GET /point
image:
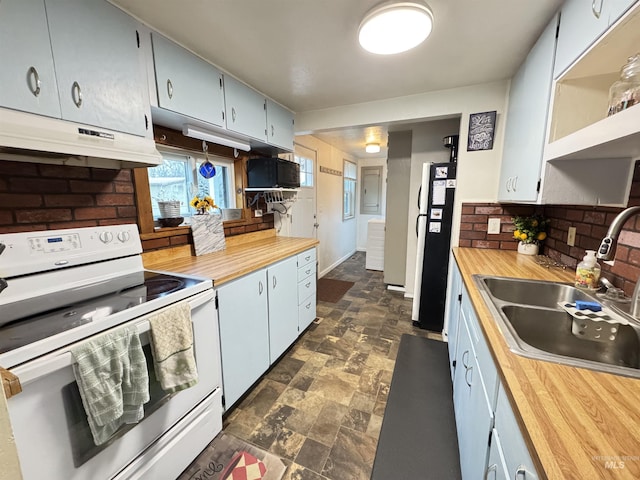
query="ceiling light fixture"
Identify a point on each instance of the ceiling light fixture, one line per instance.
(395, 27)
(372, 148)
(203, 134)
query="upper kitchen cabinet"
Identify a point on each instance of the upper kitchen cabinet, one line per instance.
(582, 23)
(186, 84)
(527, 121)
(587, 150)
(245, 109)
(279, 126)
(97, 64)
(27, 75)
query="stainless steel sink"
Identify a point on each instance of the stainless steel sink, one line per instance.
(535, 326)
(531, 292)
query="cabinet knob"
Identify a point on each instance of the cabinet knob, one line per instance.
(233, 114)
(33, 81)
(514, 185)
(169, 88)
(275, 281)
(521, 472)
(76, 94)
(466, 373)
(491, 468)
(260, 288)
(597, 11)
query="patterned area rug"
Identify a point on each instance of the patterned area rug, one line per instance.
(332, 290)
(229, 458)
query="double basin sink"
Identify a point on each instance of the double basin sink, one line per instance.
(532, 319)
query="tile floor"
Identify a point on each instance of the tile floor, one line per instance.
(320, 407)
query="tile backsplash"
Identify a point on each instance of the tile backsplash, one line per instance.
(591, 225)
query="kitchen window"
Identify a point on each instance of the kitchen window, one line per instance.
(306, 171)
(178, 179)
(350, 176)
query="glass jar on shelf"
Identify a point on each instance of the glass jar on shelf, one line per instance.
(625, 92)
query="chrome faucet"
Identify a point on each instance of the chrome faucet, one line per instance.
(607, 249)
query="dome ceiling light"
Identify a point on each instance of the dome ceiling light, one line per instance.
(372, 148)
(395, 27)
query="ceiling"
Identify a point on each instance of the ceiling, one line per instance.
(305, 54)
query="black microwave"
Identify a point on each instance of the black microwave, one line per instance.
(272, 172)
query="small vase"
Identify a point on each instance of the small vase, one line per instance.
(528, 248)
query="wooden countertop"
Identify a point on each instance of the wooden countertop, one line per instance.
(236, 260)
(573, 419)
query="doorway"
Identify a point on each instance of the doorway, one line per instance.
(303, 214)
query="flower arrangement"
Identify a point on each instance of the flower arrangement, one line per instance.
(202, 205)
(530, 229)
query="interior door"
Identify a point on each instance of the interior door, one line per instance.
(303, 213)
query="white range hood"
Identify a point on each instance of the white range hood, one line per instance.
(33, 138)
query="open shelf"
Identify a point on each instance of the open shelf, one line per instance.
(579, 126)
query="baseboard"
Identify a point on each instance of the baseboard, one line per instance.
(395, 288)
(335, 264)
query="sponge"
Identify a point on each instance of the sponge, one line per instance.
(584, 305)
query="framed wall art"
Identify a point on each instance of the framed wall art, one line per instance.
(482, 128)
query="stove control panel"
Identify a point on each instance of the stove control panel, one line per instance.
(33, 252)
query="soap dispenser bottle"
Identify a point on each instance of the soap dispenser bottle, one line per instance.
(588, 271)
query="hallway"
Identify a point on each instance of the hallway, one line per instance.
(320, 408)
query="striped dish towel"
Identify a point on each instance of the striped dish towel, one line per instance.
(172, 347)
(111, 373)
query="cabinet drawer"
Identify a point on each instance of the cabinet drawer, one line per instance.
(306, 288)
(306, 271)
(307, 257)
(307, 312)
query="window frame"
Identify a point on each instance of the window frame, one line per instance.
(352, 182)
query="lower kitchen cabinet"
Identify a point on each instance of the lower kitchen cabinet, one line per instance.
(306, 288)
(282, 280)
(490, 442)
(453, 322)
(516, 455)
(474, 414)
(244, 333)
(261, 314)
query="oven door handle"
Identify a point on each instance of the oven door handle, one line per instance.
(53, 362)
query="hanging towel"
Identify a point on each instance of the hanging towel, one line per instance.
(111, 373)
(172, 348)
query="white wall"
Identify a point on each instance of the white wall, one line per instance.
(337, 237)
(426, 146)
(478, 172)
(361, 218)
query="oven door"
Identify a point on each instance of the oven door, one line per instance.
(50, 426)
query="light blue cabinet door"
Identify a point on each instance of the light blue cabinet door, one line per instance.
(245, 109)
(186, 84)
(95, 51)
(283, 306)
(617, 8)
(279, 126)
(496, 467)
(527, 121)
(581, 23)
(516, 454)
(27, 75)
(474, 415)
(244, 333)
(454, 314)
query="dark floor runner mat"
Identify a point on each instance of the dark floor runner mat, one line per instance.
(418, 437)
(332, 290)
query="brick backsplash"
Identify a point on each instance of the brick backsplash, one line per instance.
(48, 197)
(591, 226)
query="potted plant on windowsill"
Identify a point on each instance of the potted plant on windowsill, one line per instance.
(530, 231)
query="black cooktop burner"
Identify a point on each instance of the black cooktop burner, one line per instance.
(156, 287)
(40, 317)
